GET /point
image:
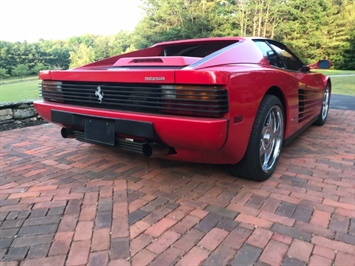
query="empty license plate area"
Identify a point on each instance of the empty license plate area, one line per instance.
(100, 131)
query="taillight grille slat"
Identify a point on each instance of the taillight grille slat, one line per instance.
(205, 101)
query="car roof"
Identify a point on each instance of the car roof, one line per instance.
(203, 40)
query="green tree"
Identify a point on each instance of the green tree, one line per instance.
(21, 71)
(101, 47)
(349, 53)
(339, 34)
(55, 53)
(173, 19)
(3, 74)
(83, 55)
(317, 29)
(223, 18)
(303, 26)
(5, 51)
(39, 67)
(59, 57)
(120, 42)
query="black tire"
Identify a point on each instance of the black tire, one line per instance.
(265, 142)
(325, 107)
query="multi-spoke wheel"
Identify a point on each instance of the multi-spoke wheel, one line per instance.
(325, 107)
(271, 138)
(265, 142)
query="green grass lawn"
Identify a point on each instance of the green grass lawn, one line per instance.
(14, 90)
(19, 91)
(333, 72)
(343, 81)
(17, 79)
(343, 85)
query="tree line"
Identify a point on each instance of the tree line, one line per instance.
(317, 29)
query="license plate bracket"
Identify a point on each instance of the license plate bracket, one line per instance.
(101, 131)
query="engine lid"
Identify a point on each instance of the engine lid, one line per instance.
(163, 61)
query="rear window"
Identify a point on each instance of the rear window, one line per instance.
(195, 50)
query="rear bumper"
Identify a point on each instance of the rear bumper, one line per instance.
(198, 135)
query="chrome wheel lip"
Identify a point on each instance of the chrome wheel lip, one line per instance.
(325, 104)
(271, 138)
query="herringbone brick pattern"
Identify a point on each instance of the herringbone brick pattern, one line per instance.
(69, 203)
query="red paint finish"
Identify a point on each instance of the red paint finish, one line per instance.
(184, 70)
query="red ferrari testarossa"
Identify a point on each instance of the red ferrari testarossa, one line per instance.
(230, 100)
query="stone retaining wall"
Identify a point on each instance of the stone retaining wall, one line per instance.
(20, 114)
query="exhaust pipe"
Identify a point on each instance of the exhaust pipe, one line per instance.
(155, 150)
(67, 133)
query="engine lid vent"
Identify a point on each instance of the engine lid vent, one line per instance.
(147, 60)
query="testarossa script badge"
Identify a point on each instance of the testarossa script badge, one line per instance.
(154, 78)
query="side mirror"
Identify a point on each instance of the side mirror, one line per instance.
(321, 64)
(305, 69)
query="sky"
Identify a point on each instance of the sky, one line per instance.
(32, 20)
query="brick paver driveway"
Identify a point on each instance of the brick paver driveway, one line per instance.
(69, 203)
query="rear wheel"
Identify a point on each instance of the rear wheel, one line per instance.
(325, 107)
(265, 142)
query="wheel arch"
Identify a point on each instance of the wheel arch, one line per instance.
(251, 165)
(276, 91)
(329, 81)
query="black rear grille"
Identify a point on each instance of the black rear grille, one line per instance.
(199, 101)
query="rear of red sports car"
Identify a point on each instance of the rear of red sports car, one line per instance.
(193, 100)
